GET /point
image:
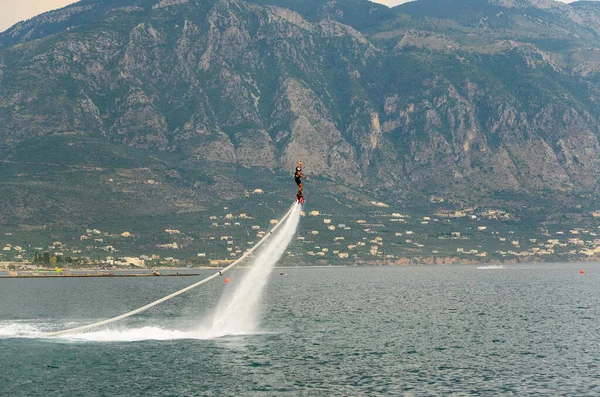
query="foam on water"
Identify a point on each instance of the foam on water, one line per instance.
(37, 330)
(150, 332)
(130, 335)
(21, 330)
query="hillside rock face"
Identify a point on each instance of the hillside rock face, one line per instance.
(434, 96)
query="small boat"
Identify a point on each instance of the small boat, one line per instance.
(491, 267)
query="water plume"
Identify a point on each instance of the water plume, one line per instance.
(238, 310)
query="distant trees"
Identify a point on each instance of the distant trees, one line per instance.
(47, 259)
(39, 258)
(44, 258)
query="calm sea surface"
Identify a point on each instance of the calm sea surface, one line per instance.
(521, 330)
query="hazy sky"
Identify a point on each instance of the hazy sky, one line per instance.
(13, 11)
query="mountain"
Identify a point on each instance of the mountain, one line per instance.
(474, 101)
(224, 81)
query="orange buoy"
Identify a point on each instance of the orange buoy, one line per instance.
(227, 279)
(581, 271)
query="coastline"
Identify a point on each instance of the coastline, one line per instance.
(195, 271)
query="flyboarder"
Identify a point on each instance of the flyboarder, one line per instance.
(298, 178)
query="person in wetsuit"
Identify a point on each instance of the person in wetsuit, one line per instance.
(298, 178)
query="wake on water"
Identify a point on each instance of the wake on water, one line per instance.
(491, 267)
(237, 313)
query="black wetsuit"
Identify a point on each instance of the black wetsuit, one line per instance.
(298, 176)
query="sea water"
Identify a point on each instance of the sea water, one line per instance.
(522, 330)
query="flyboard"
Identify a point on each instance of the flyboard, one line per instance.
(191, 287)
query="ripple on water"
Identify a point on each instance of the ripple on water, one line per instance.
(333, 332)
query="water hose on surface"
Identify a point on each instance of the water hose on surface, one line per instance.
(166, 298)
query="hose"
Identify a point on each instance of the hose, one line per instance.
(166, 298)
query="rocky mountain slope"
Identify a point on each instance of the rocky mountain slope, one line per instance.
(463, 99)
